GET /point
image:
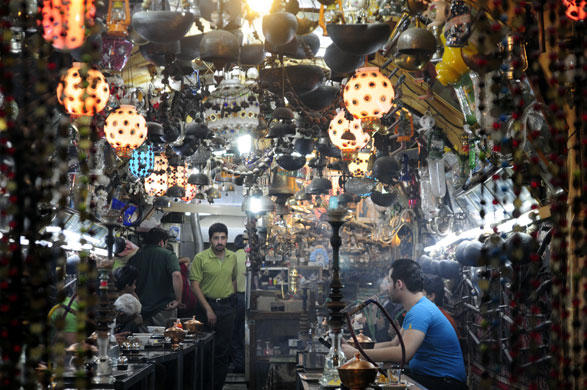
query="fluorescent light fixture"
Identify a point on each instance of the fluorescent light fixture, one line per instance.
(245, 143)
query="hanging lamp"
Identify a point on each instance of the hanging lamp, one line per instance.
(64, 22)
(369, 94)
(347, 135)
(125, 130)
(83, 92)
(142, 161)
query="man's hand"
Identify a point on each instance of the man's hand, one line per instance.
(349, 352)
(172, 305)
(121, 337)
(211, 317)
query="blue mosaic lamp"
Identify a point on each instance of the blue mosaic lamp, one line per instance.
(142, 162)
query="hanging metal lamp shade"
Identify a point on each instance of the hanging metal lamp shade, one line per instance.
(281, 184)
(190, 47)
(162, 26)
(303, 79)
(319, 186)
(386, 169)
(199, 179)
(219, 47)
(341, 62)
(258, 205)
(383, 200)
(176, 192)
(321, 97)
(279, 28)
(251, 55)
(291, 163)
(359, 39)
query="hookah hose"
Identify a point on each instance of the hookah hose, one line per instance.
(358, 345)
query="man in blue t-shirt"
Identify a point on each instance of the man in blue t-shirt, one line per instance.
(432, 346)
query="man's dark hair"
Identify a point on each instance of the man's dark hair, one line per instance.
(155, 236)
(433, 285)
(217, 228)
(125, 276)
(239, 242)
(409, 272)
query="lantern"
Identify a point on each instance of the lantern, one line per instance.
(156, 184)
(178, 176)
(142, 162)
(359, 164)
(368, 94)
(576, 9)
(118, 18)
(190, 192)
(347, 135)
(64, 22)
(125, 129)
(83, 93)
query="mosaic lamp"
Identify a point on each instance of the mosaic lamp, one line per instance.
(81, 92)
(125, 129)
(142, 161)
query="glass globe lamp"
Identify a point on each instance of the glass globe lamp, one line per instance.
(83, 93)
(369, 94)
(125, 130)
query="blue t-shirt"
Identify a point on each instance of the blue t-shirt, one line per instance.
(440, 353)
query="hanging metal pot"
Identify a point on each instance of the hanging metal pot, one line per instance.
(418, 42)
(340, 62)
(291, 163)
(319, 186)
(306, 43)
(321, 97)
(197, 130)
(359, 39)
(162, 26)
(155, 133)
(302, 78)
(176, 192)
(190, 47)
(306, 26)
(251, 55)
(281, 184)
(387, 170)
(304, 146)
(199, 179)
(279, 28)
(383, 200)
(160, 54)
(290, 49)
(231, 15)
(219, 47)
(359, 185)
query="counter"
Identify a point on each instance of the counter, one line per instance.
(308, 380)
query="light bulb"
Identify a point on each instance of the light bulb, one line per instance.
(245, 142)
(261, 7)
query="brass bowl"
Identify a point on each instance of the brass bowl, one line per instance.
(357, 374)
(193, 325)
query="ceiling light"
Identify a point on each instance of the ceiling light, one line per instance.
(245, 143)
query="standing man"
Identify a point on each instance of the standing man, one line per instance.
(213, 276)
(159, 284)
(432, 347)
(238, 334)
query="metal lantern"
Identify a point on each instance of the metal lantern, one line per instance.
(64, 22)
(125, 129)
(156, 184)
(118, 18)
(81, 92)
(368, 94)
(142, 161)
(178, 176)
(347, 135)
(190, 192)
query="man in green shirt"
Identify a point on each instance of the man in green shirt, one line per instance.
(159, 285)
(213, 276)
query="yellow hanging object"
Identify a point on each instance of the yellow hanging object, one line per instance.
(452, 66)
(321, 21)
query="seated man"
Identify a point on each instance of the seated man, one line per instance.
(432, 347)
(434, 290)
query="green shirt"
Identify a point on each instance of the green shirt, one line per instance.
(156, 266)
(70, 324)
(214, 275)
(241, 270)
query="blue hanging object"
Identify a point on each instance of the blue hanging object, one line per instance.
(142, 162)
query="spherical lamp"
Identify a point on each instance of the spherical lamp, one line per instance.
(178, 176)
(125, 130)
(64, 22)
(359, 164)
(368, 94)
(347, 135)
(190, 192)
(83, 93)
(142, 161)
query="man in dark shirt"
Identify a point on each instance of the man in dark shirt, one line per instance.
(159, 285)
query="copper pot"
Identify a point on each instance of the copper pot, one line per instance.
(193, 325)
(365, 341)
(357, 374)
(176, 334)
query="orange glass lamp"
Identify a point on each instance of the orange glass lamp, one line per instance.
(156, 184)
(178, 176)
(359, 165)
(190, 192)
(125, 130)
(118, 18)
(576, 9)
(368, 95)
(346, 135)
(64, 22)
(81, 92)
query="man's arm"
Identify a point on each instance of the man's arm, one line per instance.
(412, 341)
(392, 343)
(177, 288)
(195, 286)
